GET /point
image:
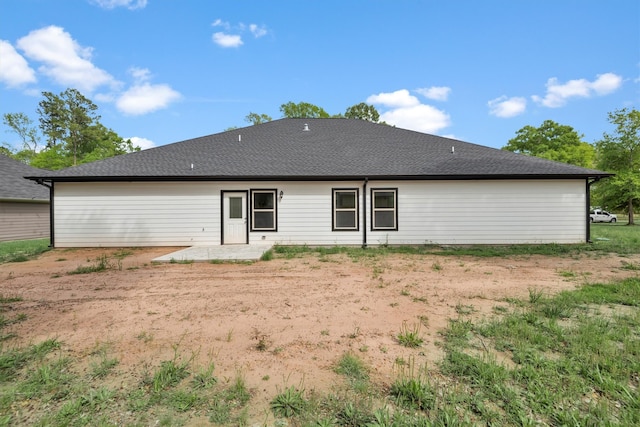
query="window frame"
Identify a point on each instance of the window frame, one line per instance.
(335, 210)
(374, 209)
(253, 209)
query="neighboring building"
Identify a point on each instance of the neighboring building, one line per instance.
(24, 205)
(319, 182)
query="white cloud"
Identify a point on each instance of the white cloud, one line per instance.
(143, 143)
(257, 31)
(407, 112)
(558, 94)
(606, 83)
(220, 23)
(227, 40)
(129, 4)
(63, 59)
(145, 98)
(507, 107)
(397, 99)
(140, 74)
(14, 69)
(437, 93)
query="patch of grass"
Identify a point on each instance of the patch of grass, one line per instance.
(410, 336)
(574, 359)
(180, 261)
(620, 239)
(267, 255)
(352, 367)
(288, 403)
(103, 367)
(101, 263)
(412, 388)
(4, 299)
(22, 250)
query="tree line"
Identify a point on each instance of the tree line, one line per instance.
(73, 135)
(71, 130)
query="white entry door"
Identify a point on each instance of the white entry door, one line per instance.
(234, 218)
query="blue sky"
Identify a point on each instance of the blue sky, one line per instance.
(163, 71)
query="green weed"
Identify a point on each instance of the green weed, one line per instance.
(288, 403)
(410, 336)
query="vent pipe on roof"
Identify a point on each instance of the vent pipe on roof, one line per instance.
(453, 150)
(306, 128)
(191, 166)
(239, 138)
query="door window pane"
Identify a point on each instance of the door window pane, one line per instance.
(235, 207)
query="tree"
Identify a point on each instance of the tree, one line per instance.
(72, 129)
(303, 110)
(256, 119)
(363, 111)
(553, 141)
(66, 118)
(620, 153)
(22, 125)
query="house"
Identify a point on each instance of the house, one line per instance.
(24, 205)
(319, 182)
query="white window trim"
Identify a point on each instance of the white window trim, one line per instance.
(273, 210)
(394, 209)
(335, 210)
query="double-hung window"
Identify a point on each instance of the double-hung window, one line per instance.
(345, 209)
(263, 210)
(384, 208)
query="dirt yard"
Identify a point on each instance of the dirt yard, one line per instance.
(303, 313)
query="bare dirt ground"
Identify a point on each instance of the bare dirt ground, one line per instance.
(306, 311)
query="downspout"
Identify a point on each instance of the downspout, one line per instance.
(588, 207)
(51, 228)
(364, 213)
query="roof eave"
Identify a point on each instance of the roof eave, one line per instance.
(439, 177)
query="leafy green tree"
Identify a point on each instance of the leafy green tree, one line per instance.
(553, 141)
(303, 110)
(72, 130)
(67, 118)
(256, 119)
(363, 111)
(619, 152)
(22, 125)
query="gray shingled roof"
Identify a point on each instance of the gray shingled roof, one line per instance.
(329, 149)
(12, 182)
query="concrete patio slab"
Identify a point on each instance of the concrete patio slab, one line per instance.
(221, 252)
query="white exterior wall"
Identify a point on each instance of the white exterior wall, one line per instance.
(487, 212)
(439, 212)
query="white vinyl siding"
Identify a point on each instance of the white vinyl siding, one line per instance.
(136, 214)
(428, 212)
(24, 221)
(488, 212)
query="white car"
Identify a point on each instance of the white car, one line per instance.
(598, 215)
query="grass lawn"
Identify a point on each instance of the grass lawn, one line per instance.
(22, 250)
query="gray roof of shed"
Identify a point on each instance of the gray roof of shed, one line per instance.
(329, 149)
(12, 182)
